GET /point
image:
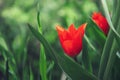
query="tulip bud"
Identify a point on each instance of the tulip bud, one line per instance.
(101, 22)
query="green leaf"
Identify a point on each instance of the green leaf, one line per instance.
(38, 21)
(13, 68)
(3, 47)
(43, 41)
(111, 61)
(31, 74)
(94, 37)
(8, 57)
(115, 45)
(2, 66)
(73, 69)
(109, 42)
(105, 54)
(50, 67)
(70, 67)
(118, 55)
(116, 68)
(86, 56)
(109, 19)
(7, 70)
(43, 63)
(93, 44)
(3, 43)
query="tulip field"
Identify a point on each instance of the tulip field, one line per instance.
(59, 39)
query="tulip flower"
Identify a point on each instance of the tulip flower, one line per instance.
(71, 39)
(101, 22)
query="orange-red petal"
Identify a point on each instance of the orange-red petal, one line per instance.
(101, 22)
(72, 30)
(71, 39)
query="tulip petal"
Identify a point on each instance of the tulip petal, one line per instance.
(68, 47)
(63, 34)
(59, 29)
(101, 22)
(78, 45)
(81, 29)
(72, 30)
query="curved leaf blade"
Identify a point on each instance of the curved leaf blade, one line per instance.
(70, 67)
(109, 19)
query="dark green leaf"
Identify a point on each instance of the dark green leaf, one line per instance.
(31, 74)
(109, 19)
(93, 44)
(94, 37)
(118, 54)
(70, 67)
(51, 65)
(111, 61)
(43, 41)
(3, 43)
(86, 56)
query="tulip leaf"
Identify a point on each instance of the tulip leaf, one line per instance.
(118, 30)
(7, 70)
(43, 63)
(68, 65)
(4, 47)
(3, 43)
(110, 37)
(50, 67)
(86, 55)
(105, 54)
(94, 37)
(111, 61)
(31, 74)
(109, 19)
(118, 55)
(93, 43)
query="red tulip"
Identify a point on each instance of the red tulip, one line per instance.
(71, 39)
(101, 22)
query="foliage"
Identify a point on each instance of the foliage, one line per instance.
(30, 49)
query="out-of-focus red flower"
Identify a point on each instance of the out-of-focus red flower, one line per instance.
(71, 39)
(101, 22)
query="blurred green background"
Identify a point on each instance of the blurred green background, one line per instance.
(19, 49)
